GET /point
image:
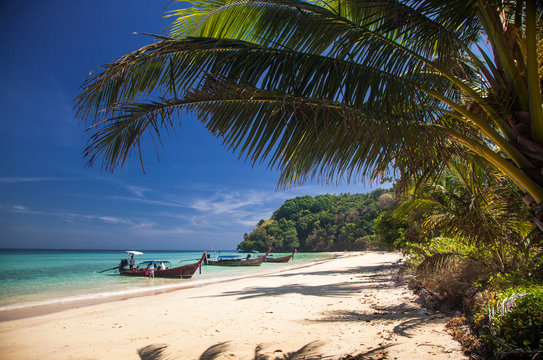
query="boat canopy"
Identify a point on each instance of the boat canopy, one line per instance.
(229, 256)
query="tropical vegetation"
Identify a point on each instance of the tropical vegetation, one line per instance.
(443, 97)
(337, 89)
(471, 246)
(321, 223)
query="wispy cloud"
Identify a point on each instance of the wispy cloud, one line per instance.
(226, 202)
(208, 215)
(228, 210)
(112, 220)
(148, 201)
(154, 231)
(65, 215)
(138, 191)
(229, 202)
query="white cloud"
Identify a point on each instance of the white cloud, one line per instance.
(68, 216)
(149, 201)
(138, 191)
(232, 202)
(111, 220)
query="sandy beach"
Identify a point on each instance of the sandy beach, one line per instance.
(348, 305)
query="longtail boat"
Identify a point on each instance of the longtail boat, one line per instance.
(233, 260)
(283, 259)
(180, 272)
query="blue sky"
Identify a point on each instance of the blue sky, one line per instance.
(196, 195)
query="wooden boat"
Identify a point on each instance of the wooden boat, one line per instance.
(281, 259)
(180, 272)
(233, 260)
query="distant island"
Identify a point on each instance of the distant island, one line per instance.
(321, 223)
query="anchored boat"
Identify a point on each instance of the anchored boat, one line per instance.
(233, 260)
(162, 268)
(282, 259)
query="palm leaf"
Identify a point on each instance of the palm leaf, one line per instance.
(335, 90)
(436, 262)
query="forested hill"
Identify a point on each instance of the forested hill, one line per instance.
(321, 223)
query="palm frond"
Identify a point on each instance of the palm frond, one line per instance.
(436, 262)
(338, 90)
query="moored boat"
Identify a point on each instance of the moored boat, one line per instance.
(163, 269)
(233, 260)
(282, 259)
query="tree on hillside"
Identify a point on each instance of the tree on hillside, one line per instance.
(345, 223)
(337, 89)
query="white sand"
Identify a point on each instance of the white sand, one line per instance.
(347, 305)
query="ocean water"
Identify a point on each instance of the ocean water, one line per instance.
(31, 278)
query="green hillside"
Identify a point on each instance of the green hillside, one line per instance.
(321, 223)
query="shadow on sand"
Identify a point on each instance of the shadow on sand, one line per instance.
(307, 352)
(363, 278)
(409, 317)
(359, 270)
(329, 290)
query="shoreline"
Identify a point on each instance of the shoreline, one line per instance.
(344, 305)
(26, 310)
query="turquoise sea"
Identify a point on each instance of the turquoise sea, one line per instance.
(30, 278)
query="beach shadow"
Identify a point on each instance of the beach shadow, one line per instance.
(306, 352)
(402, 308)
(408, 321)
(355, 316)
(330, 290)
(365, 277)
(309, 351)
(379, 353)
(368, 277)
(214, 351)
(404, 327)
(152, 352)
(359, 270)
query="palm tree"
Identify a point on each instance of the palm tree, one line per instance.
(337, 90)
(468, 205)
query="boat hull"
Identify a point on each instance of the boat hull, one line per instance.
(236, 262)
(180, 272)
(282, 259)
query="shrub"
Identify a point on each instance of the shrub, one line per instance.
(516, 320)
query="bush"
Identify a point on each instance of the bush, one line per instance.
(516, 320)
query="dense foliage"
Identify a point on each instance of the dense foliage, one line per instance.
(472, 246)
(321, 223)
(343, 89)
(516, 321)
(336, 89)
